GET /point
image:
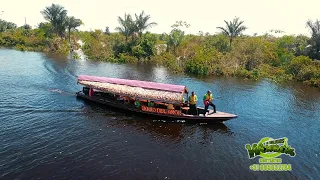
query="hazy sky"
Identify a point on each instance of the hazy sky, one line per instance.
(204, 15)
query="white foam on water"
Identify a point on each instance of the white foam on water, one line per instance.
(79, 52)
(55, 90)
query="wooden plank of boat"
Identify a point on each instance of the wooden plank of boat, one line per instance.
(212, 116)
(218, 114)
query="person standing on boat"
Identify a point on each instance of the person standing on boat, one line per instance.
(137, 104)
(207, 100)
(150, 104)
(193, 102)
(170, 106)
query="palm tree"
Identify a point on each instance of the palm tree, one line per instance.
(233, 29)
(72, 23)
(315, 37)
(142, 22)
(127, 26)
(57, 16)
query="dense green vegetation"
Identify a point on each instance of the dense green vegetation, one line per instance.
(47, 37)
(229, 53)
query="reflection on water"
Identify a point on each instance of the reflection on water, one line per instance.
(168, 130)
(47, 133)
(157, 128)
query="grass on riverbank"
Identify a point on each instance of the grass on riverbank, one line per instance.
(33, 40)
(228, 53)
(250, 57)
(280, 59)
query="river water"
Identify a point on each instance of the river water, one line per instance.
(47, 133)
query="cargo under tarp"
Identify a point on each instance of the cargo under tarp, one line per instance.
(135, 88)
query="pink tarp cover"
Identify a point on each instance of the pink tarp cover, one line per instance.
(134, 83)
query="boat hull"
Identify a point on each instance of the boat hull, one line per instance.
(211, 117)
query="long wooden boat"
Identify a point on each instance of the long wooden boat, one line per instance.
(134, 96)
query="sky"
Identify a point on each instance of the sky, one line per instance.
(260, 16)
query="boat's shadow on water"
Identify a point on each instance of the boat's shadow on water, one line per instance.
(167, 129)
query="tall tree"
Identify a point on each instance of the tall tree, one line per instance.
(175, 38)
(233, 29)
(142, 22)
(26, 26)
(127, 26)
(11, 25)
(72, 23)
(176, 35)
(57, 16)
(46, 28)
(107, 31)
(4, 25)
(315, 38)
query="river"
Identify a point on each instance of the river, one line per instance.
(47, 133)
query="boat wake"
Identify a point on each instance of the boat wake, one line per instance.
(55, 90)
(51, 110)
(61, 92)
(168, 121)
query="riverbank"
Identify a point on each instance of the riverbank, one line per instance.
(34, 40)
(280, 59)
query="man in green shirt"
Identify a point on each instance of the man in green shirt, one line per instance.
(150, 104)
(207, 100)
